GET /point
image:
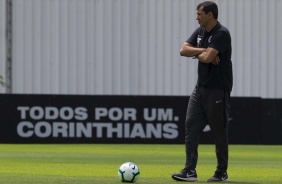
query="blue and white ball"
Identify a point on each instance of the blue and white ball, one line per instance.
(128, 172)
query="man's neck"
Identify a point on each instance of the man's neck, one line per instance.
(210, 26)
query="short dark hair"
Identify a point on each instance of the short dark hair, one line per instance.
(209, 6)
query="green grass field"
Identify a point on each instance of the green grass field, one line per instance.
(95, 163)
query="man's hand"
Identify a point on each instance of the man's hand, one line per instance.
(215, 60)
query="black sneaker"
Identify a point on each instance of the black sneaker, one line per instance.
(219, 177)
(185, 175)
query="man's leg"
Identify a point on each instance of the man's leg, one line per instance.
(217, 111)
(194, 125)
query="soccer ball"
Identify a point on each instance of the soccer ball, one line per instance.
(128, 172)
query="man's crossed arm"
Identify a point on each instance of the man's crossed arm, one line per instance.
(209, 55)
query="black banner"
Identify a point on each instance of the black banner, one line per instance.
(127, 119)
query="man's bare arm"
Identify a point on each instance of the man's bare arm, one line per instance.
(188, 50)
(210, 55)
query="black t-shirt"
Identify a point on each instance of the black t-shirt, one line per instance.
(210, 75)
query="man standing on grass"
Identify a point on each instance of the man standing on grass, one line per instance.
(209, 102)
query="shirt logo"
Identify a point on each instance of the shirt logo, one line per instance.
(199, 38)
(209, 40)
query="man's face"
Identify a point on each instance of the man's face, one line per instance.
(202, 17)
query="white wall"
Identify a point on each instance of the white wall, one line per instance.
(3, 42)
(131, 47)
